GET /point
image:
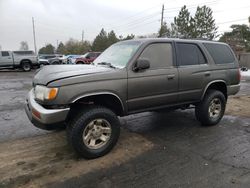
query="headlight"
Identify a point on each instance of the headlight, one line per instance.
(44, 93)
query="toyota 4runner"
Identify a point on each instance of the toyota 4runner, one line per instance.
(130, 77)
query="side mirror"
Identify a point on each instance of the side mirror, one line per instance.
(142, 64)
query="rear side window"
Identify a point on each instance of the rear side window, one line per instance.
(189, 54)
(4, 53)
(159, 55)
(91, 55)
(220, 53)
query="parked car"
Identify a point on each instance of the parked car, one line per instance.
(44, 58)
(25, 60)
(130, 77)
(87, 58)
(66, 59)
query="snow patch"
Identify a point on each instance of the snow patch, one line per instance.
(245, 73)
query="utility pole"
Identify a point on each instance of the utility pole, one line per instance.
(34, 35)
(162, 15)
(82, 35)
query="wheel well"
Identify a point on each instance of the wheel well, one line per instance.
(25, 61)
(107, 100)
(220, 86)
(79, 62)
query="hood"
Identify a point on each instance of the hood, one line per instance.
(56, 72)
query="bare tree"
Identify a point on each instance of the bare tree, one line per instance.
(24, 45)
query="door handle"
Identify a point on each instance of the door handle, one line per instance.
(9, 58)
(171, 76)
(207, 73)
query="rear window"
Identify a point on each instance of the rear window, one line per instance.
(220, 53)
(24, 52)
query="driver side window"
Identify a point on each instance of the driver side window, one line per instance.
(159, 55)
(5, 53)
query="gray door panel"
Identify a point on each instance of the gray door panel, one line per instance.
(156, 86)
(152, 88)
(192, 81)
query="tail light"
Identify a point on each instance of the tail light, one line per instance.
(239, 75)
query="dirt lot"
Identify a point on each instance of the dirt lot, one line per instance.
(154, 150)
(239, 106)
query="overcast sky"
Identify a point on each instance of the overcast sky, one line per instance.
(64, 19)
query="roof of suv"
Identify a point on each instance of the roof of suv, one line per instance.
(149, 40)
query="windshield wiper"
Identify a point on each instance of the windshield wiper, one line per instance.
(108, 64)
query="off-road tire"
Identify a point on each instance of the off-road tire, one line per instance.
(77, 125)
(202, 109)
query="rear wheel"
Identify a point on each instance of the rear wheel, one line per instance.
(26, 66)
(94, 132)
(55, 63)
(211, 109)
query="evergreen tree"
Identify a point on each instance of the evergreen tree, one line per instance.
(61, 48)
(73, 46)
(48, 49)
(164, 31)
(112, 38)
(101, 41)
(129, 37)
(174, 31)
(203, 24)
(238, 38)
(182, 22)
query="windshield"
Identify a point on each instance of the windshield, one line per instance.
(118, 54)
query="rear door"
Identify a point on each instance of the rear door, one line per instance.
(156, 86)
(193, 71)
(6, 58)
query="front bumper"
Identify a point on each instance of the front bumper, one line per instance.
(43, 118)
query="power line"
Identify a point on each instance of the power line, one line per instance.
(154, 21)
(138, 13)
(140, 20)
(173, 9)
(231, 21)
(225, 10)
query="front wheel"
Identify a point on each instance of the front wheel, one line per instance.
(211, 109)
(94, 132)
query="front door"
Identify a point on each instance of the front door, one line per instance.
(156, 86)
(5, 59)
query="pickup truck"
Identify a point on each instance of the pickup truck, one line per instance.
(25, 60)
(130, 77)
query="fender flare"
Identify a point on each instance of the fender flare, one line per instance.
(101, 93)
(209, 84)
